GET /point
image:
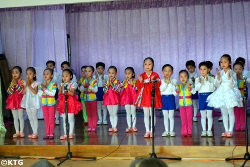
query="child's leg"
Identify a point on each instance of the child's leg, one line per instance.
(209, 119)
(165, 116)
(51, 120)
(35, 120)
(171, 120)
(21, 120)
(128, 111)
(115, 110)
(146, 117)
(189, 111)
(150, 109)
(242, 118)
(183, 121)
(46, 118)
(133, 112)
(224, 113)
(203, 119)
(231, 119)
(84, 112)
(93, 114)
(110, 109)
(57, 117)
(99, 111)
(29, 113)
(71, 118)
(16, 123)
(104, 110)
(237, 118)
(89, 113)
(195, 107)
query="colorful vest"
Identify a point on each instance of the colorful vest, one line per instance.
(240, 84)
(81, 94)
(46, 99)
(125, 83)
(88, 94)
(209, 74)
(115, 87)
(185, 95)
(18, 87)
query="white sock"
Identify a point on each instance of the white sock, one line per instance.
(128, 111)
(15, 117)
(224, 113)
(133, 112)
(99, 110)
(146, 118)
(209, 119)
(71, 121)
(231, 119)
(195, 107)
(203, 119)
(166, 116)
(171, 120)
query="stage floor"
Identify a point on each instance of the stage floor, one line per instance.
(103, 137)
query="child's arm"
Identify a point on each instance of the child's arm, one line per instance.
(191, 88)
(116, 86)
(198, 83)
(94, 88)
(20, 86)
(163, 87)
(139, 82)
(33, 90)
(71, 92)
(106, 87)
(177, 88)
(173, 85)
(10, 89)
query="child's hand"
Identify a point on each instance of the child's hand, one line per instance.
(229, 76)
(121, 85)
(27, 83)
(14, 82)
(206, 78)
(178, 87)
(169, 81)
(140, 78)
(200, 79)
(218, 74)
(42, 86)
(193, 79)
(189, 86)
(60, 87)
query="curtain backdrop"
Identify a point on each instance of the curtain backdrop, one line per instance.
(124, 34)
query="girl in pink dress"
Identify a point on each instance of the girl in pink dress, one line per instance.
(14, 99)
(111, 97)
(128, 97)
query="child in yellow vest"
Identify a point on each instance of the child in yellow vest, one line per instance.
(84, 113)
(185, 91)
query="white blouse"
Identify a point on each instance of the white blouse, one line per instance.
(168, 88)
(206, 85)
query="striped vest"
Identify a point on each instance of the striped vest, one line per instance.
(185, 96)
(46, 99)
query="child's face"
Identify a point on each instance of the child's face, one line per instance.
(238, 69)
(129, 74)
(203, 71)
(30, 75)
(47, 75)
(148, 65)
(66, 77)
(190, 69)
(112, 73)
(100, 70)
(224, 63)
(89, 72)
(65, 66)
(167, 72)
(83, 71)
(16, 74)
(50, 66)
(183, 77)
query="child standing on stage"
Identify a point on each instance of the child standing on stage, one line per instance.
(84, 113)
(128, 97)
(48, 91)
(101, 79)
(89, 87)
(30, 100)
(145, 86)
(185, 91)
(111, 97)
(227, 95)
(73, 105)
(13, 102)
(205, 86)
(190, 65)
(239, 112)
(168, 94)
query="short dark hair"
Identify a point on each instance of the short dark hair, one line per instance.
(92, 68)
(18, 68)
(190, 63)
(33, 70)
(167, 65)
(51, 61)
(65, 62)
(100, 64)
(83, 67)
(132, 70)
(50, 70)
(209, 64)
(113, 67)
(204, 63)
(68, 71)
(241, 60)
(238, 63)
(184, 71)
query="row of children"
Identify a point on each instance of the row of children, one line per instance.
(99, 90)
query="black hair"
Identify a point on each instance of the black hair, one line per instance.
(33, 70)
(113, 67)
(68, 71)
(190, 63)
(167, 65)
(184, 71)
(204, 63)
(65, 62)
(209, 64)
(100, 64)
(228, 58)
(241, 60)
(132, 70)
(238, 63)
(92, 68)
(50, 70)
(18, 68)
(151, 59)
(51, 61)
(83, 67)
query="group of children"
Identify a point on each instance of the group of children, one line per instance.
(100, 93)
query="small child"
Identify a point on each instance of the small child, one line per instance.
(205, 86)
(210, 67)
(66, 65)
(111, 97)
(13, 102)
(48, 91)
(168, 94)
(241, 60)
(128, 97)
(185, 91)
(73, 105)
(89, 87)
(84, 112)
(31, 100)
(190, 65)
(101, 79)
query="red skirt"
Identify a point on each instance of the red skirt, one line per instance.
(14, 101)
(73, 105)
(111, 98)
(128, 96)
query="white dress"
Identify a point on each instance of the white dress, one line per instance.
(30, 100)
(227, 95)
